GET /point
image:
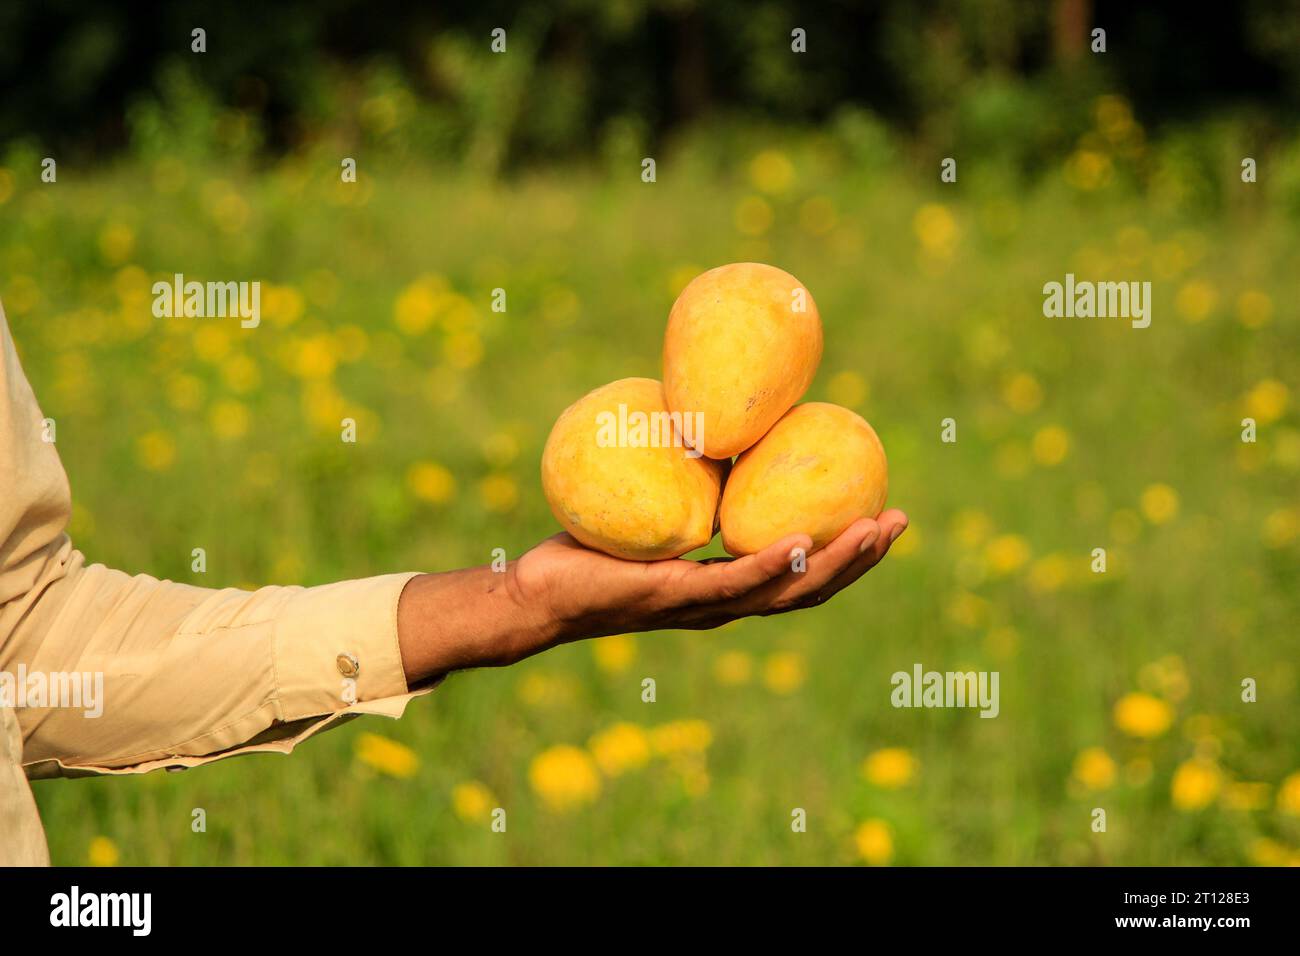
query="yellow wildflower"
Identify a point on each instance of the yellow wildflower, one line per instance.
(1288, 795)
(1195, 784)
(847, 388)
(431, 482)
(1022, 393)
(1281, 527)
(817, 216)
(784, 672)
(1196, 300)
(155, 450)
(681, 736)
(733, 668)
(387, 756)
(614, 654)
(1265, 851)
(771, 171)
(102, 852)
(498, 492)
(1006, 553)
(1159, 503)
(890, 768)
(620, 748)
(875, 842)
(936, 229)
(565, 777)
(1142, 715)
(1267, 401)
(472, 801)
(1254, 308)
(229, 419)
(1051, 445)
(1094, 768)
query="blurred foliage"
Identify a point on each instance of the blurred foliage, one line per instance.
(989, 80)
(1119, 690)
(521, 172)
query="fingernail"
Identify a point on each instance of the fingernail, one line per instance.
(868, 541)
(893, 535)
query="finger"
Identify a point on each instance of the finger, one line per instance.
(822, 566)
(891, 519)
(829, 578)
(726, 581)
(892, 525)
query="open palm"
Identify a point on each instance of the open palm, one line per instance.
(591, 594)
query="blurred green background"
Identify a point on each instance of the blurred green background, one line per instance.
(522, 171)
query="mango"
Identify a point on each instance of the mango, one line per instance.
(742, 346)
(819, 469)
(620, 478)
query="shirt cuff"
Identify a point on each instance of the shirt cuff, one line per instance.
(336, 645)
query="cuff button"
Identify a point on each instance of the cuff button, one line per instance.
(348, 664)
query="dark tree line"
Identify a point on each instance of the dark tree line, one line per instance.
(70, 69)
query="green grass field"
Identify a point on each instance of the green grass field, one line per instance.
(1072, 434)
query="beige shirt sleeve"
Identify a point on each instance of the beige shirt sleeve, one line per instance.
(189, 674)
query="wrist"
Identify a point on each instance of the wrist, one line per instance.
(475, 617)
(536, 626)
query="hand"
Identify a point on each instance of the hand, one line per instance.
(590, 594)
(561, 591)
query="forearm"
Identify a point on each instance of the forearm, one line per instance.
(474, 617)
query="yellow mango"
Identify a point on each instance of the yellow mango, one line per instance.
(743, 344)
(620, 479)
(819, 469)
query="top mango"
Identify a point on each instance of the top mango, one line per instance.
(743, 344)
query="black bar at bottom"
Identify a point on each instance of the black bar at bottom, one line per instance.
(349, 906)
